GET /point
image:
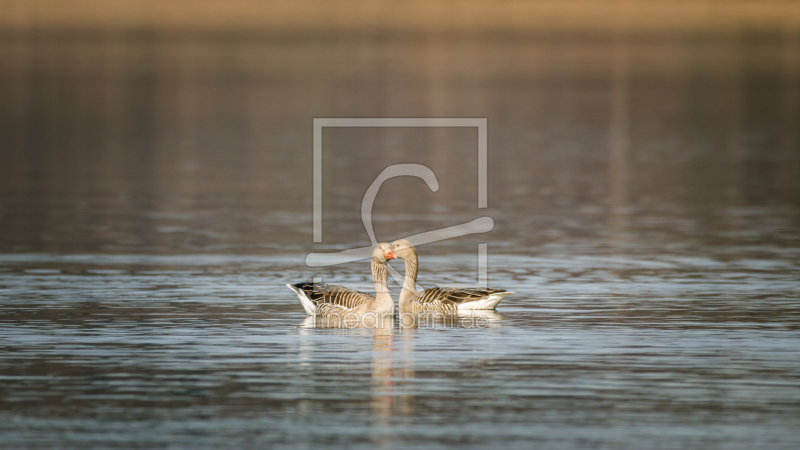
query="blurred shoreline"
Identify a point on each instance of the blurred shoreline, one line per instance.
(438, 17)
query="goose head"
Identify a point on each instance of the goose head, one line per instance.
(383, 252)
(403, 249)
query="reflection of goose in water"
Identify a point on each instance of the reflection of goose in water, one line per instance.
(487, 316)
(425, 319)
(383, 369)
(375, 321)
(392, 367)
(324, 300)
(439, 299)
(382, 386)
(456, 319)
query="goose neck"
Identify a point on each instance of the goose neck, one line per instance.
(383, 299)
(410, 281)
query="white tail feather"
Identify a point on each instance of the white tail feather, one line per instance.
(485, 303)
(308, 305)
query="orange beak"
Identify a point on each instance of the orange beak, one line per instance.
(389, 255)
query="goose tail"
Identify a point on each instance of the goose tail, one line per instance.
(308, 305)
(488, 302)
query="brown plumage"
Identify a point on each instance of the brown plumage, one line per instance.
(439, 299)
(449, 299)
(321, 299)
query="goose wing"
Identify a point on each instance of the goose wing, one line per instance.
(333, 297)
(449, 299)
(454, 295)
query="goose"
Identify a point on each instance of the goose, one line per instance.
(325, 300)
(439, 299)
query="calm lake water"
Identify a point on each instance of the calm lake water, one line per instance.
(155, 198)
